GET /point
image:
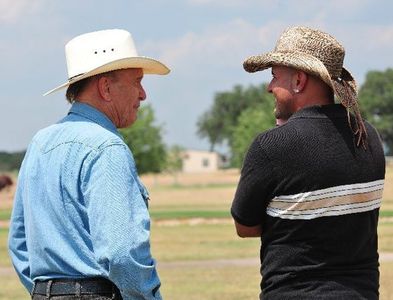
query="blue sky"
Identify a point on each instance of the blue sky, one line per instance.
(204, 42)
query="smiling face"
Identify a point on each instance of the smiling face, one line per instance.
(126, 94)
(281, 86)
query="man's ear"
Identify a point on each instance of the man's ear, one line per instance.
(299, 81)
(104, 88)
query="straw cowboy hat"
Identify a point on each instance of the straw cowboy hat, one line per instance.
(312, 51)
(316, 53)
(103, 51)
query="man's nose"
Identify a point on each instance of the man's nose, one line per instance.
(142, 94)
(269, 88)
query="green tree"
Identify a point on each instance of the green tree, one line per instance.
(11, 161)
(174, 161)
(218, 123)
(145, 141)
(376, 101)
(211, 128)
(251, 122)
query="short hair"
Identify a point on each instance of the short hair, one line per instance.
(75, 89)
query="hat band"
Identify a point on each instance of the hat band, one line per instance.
(73, 77)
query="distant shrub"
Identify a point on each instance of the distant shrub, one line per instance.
(11, 161)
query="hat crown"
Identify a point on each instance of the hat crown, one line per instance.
(92, 50)
(104, 51)
(316, 43)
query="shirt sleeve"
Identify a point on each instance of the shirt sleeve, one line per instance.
(255, 188)
(119, 222)
(17, 240)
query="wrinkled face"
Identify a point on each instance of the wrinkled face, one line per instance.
(282, 89)
(127, 93)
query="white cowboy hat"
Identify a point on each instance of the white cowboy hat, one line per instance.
(103, 51)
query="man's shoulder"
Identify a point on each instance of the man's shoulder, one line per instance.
(276, 138)
(87, 134)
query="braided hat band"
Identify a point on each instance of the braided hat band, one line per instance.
(319, 54)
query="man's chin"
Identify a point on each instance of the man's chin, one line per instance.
(128, 124)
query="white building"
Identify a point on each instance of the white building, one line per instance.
(195, 161)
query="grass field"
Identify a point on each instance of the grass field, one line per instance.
(193, 239)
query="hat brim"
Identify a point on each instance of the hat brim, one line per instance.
(297, 60)
(149, 66)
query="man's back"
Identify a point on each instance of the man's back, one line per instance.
(319, 195)
(78, 195)
(51, 189)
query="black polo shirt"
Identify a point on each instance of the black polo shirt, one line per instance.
(317, 197)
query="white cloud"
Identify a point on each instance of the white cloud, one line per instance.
(368, 47)
(205, 56)
(224, 45)
(229, 43)
(347, 7)
(13, 10)
(283, 6)
(220, 2)
(380, 37)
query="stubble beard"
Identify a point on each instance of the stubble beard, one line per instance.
(282, 112)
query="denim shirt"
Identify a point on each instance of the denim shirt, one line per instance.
(80, 209)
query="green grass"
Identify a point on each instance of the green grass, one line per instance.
(187, 214)
(4, 259)
(385, 237)
(215, 283)
(5, 214)
(183, 214)
(204, 242)
(160, 214)
(185, 242)
(11, 288)
(386, 213)
(193, 186)
(386, 278)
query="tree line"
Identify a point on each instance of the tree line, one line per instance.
(11, 161)
(237, 116)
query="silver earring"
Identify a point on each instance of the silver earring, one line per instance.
(296, 90)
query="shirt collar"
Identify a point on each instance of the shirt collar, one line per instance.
(321, 111)
(93, 114)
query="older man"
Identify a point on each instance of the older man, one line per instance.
(80, 223)
(311, 187)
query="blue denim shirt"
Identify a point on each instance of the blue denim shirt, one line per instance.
(80, 209)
